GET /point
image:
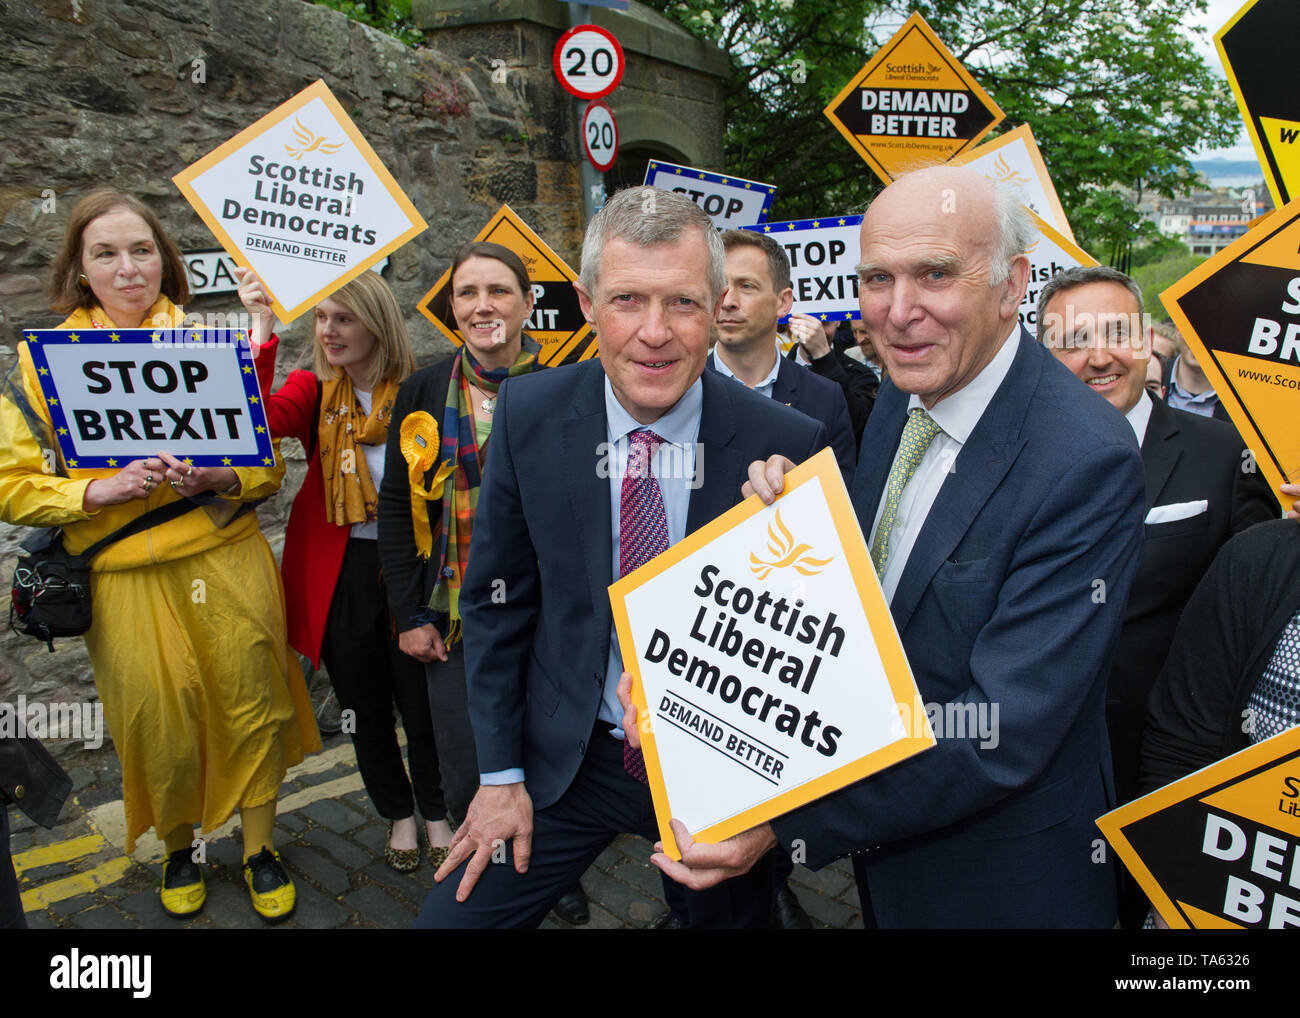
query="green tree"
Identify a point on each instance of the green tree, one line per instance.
(1155, 278)
(1113, 90)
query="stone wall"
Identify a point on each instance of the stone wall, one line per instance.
(130, 92)
(97, 93)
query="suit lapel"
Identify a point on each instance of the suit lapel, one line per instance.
(979, 468)
(720, 466)
(786, 388)
(584, 430)
(1160, 450)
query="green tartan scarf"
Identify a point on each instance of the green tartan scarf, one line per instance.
(460, 494)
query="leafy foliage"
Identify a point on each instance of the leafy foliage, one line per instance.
(1156, 277)
(1113, 90)
(391, 16)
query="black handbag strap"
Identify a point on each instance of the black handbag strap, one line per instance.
(152, 518)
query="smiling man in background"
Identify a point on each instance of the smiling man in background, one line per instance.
(1201, 488)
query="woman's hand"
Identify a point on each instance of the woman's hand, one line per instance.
(135, 480)
(257, 302)
(187, 480)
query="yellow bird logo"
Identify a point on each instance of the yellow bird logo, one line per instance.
(781, 544)
(1004, 173)
(310, 142)
(1030, 248)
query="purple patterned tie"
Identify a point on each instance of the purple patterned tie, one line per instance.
(642, 534)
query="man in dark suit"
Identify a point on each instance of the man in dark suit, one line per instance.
(816, 346)
(758, 296)
(1003, 507)
(1201, 488)
(568, 505)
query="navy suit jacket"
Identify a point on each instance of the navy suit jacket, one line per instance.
(1186, 458)
(535, 606)
(1012, 597)
(822, 400)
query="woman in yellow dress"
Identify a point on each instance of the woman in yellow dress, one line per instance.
(204, 702)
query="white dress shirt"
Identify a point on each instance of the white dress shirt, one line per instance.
(763, 388)
(1139, 416)
(957, 416)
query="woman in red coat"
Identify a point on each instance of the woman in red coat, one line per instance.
(334, 594)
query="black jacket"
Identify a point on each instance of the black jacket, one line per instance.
(1185, 458)
(32, 780)
(859, 383)
(1224, 641)
(407, 577)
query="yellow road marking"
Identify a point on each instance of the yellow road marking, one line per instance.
(77, 883)
(108, 821)
(60, 851)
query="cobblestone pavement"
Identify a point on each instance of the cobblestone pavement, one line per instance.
(75, 876)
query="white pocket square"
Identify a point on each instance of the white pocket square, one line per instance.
(1177, 511)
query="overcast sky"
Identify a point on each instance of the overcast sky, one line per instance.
(1220, 11)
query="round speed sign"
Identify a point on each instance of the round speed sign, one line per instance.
(588, 61)
(600, 135)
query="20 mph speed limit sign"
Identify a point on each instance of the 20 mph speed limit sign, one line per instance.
(588, 62)
(600, 135)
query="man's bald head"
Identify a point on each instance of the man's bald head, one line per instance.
(943, 272)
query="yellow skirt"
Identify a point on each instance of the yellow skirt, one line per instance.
(204, 700)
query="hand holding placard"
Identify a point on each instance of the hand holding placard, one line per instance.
(1294, 491)
(767, 478)
(257, 302)
(809, 334)
(703, 865)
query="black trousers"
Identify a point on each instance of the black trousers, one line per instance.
(11, 906)
(369, 673)
(603, 802)
(457, 755)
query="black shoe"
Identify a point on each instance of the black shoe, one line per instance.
(665, 920)
(787, 913)
(572, 908)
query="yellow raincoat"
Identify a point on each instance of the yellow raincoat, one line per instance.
(204, 700)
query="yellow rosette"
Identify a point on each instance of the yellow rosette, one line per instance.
(420, 442)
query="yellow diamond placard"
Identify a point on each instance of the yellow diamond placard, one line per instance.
(767, 668)
(1257, 47)
(301, 198)
(1220, 848)
(1240, 314)
(556, 322)
(912, 104)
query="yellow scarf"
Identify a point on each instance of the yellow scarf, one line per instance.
(162, 315)
(350, 495)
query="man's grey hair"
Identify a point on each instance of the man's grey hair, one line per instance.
(1082, 275)
(648, 217)
(1015, 232)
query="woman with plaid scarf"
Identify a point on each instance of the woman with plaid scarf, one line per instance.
(442, 422)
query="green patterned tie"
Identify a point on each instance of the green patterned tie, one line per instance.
(918, 433)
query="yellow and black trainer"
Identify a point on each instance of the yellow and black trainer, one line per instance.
(269, 886)
(183, 892)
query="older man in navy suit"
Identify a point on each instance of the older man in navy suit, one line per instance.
(591, 470)
(1003, 506)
